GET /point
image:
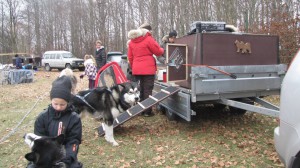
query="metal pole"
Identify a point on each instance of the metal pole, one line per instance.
(2, 37)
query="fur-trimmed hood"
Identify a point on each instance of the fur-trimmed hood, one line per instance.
(133, 34)
(101, 48)
(165, 39)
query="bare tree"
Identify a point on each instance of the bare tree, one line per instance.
(13, 6)
(37, 26)
(75, 25)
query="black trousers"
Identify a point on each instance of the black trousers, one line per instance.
(91, 83)
(146, 85)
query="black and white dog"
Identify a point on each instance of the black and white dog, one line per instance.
(46, 152)
(107, 103)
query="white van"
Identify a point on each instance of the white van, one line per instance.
(287, 135)
(61, 60)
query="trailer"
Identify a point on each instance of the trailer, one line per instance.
(211, 65)
(227, 69)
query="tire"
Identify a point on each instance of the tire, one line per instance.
(219, 107)
(295, 161)
(161, 108)
(47, 67)
(238, 111)
(170, 115)
(68, 66)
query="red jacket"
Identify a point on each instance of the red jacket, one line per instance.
(140, 52)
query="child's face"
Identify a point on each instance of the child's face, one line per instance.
(59, 104)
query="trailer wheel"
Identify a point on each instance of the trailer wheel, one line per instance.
(161, 108)
(170, 115)
(219, 107)
(238, 111)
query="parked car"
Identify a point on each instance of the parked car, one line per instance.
(114, 56)
(61, 60)
(120, 58)
(287, 135)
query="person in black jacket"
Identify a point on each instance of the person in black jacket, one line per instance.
(59, 118)
(100, 55)
(167, 39)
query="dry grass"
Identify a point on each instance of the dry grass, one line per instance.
(211, 139)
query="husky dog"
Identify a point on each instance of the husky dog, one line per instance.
(69, 72)
(107, 103)
(46, 152)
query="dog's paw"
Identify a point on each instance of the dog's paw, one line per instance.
(115, 143)
(112, 141)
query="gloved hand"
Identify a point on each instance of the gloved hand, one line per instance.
(81, 76)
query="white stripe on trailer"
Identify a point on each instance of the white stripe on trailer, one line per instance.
(141, 105)
(165, 91)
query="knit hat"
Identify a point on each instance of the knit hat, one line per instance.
(61, 88)
(173, 33)
(146, 26)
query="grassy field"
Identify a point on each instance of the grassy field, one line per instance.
(211, 139)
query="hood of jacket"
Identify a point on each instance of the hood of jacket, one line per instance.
(88, 61)
(102, 47)
(165, 39)
(138, 35)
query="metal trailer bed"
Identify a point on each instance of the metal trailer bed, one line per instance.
(209, 86)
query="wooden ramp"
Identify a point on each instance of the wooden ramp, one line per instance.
(141, 106)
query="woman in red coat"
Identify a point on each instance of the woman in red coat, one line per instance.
(141, 49)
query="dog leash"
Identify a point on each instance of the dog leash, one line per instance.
(16, 127)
